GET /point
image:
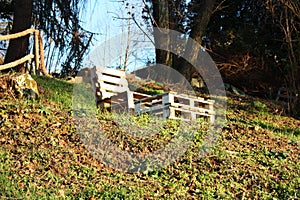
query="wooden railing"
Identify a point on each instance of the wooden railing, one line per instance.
(38, 51)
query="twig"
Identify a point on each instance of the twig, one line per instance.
(142, 30)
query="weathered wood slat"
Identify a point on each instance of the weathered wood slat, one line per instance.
(138, 95)
(189, 111)
(152, 110)
(112, 72)
(189, 98)
(113, 80)
(112, 88)
(191, 108)
(106, 94)
(193, 115)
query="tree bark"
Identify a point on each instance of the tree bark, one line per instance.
(22, 20)
(198, 28)
(161, 20)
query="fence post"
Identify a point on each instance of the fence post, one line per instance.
(36, 45)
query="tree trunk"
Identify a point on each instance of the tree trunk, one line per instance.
(198, 28)
(161, 17)
(22, 20)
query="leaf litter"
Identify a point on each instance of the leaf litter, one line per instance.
(41, 155)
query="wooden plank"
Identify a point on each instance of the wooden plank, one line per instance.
(130, 99)
(212, 119)
(196, 109)
(112, 88)
(152, 109)
(195, 99)
(113, 80)
(17, 62)
(123, 99)
(137, 95)
(183, 96)
(106, 94)
(151, 98)
(153, 103)
(193, 104)
(113, 72)
(183, 110)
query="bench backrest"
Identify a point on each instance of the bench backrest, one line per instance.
(108, 82)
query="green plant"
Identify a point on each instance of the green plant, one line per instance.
(42, 156)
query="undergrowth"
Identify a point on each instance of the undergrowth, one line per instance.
(42, 156)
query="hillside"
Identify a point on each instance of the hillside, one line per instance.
(42, 157)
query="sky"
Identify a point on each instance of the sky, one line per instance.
(102, 17)
(98, 16)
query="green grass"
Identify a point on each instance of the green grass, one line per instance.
(55, 90)
(43, 157)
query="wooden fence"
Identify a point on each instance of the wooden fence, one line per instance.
(38, 51)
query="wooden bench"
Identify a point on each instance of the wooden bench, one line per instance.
(112, 93)
(111, 89)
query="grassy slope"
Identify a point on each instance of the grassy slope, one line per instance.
(41, 156)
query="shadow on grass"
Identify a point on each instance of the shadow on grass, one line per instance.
(286, 131)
